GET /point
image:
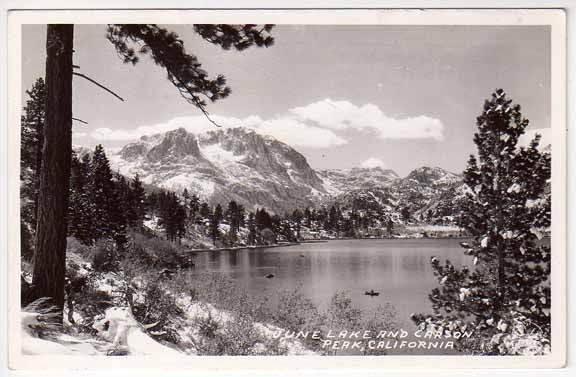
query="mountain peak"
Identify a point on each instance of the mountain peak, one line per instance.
(225, 164)
(431, 175)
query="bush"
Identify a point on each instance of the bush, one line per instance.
(235, 336)
(296, 312)
(153, 304)
(83, 298)
(105, 257)
(222, 292)
(341, 315)
(156, 253)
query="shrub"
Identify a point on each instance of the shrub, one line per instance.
(222, 292)
(341, 315)
(105, 257)
(83, 298)
(154, 304)
(296, 312)
(236, 336)
(155, 252)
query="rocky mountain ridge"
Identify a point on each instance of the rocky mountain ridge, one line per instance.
(260, 171)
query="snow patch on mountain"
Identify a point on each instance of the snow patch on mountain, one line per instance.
(260, 171)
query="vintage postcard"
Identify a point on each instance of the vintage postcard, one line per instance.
(240, 189)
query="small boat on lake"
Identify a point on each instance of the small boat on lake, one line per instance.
(269, 276)
(372, 293)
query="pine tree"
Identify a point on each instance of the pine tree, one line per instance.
(308, 217)
(183, 71)
(205, 210)
(32, 141)
(262, 219)
(297, 217)
(137, 202)
(120, 210)
(506, 211)
(252, 232)
(171, 215)
(101, 190)
(389, 227)
(194, 206)
(232, 215)
(53, 193)
(215, 220)
(81, 207)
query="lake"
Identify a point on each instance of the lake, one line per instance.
(397, 268)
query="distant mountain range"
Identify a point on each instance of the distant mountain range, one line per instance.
(260, 171)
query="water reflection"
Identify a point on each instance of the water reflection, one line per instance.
(399, 269)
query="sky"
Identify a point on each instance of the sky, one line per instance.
(399, 97)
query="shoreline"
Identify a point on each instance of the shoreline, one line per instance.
(320, 240)
(234, 248)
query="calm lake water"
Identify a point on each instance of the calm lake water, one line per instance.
(397, 268)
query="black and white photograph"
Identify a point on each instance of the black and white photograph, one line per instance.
(289, 188)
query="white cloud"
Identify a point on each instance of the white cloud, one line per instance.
(342, 115)
(195, 124)
(286, 129)
(373, 162)
(316, 125)
(296, 133)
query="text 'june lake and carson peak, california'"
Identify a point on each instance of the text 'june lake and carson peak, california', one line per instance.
(345, 339)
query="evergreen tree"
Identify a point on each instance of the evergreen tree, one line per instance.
(172, 215)
(235, 217)
(405, 213)
(120, 209)
(252, 232)
(506, 211)
(332, 221)
(308, 217)
(205, 211)
(297, 217)
(81, 207)
(32, 140)
(152, 204)
(101, 190)
(137, 202)
(263, 219)
(183, 71)
(215, 220)
(194, 206)
(186, 197)
(389, 227)
(286, 231)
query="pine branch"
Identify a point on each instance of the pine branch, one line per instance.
(98, 84)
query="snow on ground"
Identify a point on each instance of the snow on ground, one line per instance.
(61, 344)
(120, 334)
(152, 223)
(432, 228)
(126, 335)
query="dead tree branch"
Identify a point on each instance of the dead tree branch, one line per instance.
(79, 120)
(98, 84)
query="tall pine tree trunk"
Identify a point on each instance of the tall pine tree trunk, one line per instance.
(51, 228)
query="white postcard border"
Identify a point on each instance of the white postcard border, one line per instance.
(555, 18)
